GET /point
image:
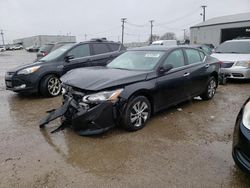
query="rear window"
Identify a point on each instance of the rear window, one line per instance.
(238, 47)
(100, 48)
(114, 47)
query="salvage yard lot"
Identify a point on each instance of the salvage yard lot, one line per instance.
(188, 147)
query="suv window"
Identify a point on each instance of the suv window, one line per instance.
(114, 47)
(175, 58)
(193, 56)
(80, 51)
(100, 48)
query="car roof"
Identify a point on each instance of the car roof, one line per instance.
(237, 40)
(159, 48)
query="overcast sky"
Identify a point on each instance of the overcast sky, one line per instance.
(101, 18)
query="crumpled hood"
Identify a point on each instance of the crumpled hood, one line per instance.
(231, 57)
(98, 78)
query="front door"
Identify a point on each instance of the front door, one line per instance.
(81, 57)
(173, 85)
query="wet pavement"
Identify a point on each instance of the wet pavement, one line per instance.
(188, 147)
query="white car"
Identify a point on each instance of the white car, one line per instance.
(235, 58)
(165, 42)
(2, 48)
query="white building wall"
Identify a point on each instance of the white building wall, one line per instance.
(212, 34)
(44, 39)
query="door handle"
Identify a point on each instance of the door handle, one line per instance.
(207, 65)
(186, 74)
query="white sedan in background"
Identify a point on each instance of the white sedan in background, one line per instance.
(235, 58)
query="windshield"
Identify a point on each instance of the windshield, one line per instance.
(239, 47)
(55, 54)
(137, 60)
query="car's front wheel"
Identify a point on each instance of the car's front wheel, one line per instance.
(210, 89)
(137, 112)
(50, 86)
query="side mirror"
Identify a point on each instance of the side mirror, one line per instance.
(67, 58)
(165, 68)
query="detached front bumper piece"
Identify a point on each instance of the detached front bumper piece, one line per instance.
(83, 119)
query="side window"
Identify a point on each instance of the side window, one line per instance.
(114, 47)
(175, 58)
(80, 51)
(100, 48)
(193, 56)
(206, 49)
(202, 55)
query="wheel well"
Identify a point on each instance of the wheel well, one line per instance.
(146, 94)
(215, 75)
(57, 75)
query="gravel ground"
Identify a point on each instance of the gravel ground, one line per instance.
(185, 146)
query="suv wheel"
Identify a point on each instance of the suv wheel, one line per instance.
(136, 113)
(210, 90)
(50, 86)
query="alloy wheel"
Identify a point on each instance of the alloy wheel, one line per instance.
(139, 113)
(54, 86)
(211, 88)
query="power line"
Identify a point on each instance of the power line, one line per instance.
(136, 25)
(180, 18)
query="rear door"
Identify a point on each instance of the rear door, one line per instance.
(172, 86)
(81, 57)
(102, 54)
(198, 70)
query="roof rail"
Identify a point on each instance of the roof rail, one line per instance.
(99, 39)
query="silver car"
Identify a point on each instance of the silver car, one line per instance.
(235, 58)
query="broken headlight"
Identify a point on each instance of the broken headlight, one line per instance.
(103, 96)
(246, 116)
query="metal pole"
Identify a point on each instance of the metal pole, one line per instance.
(151, 31)
(123, 21)
(204, 12)
(2, 36)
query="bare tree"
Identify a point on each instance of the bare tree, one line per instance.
(168, 36)
(154, 38)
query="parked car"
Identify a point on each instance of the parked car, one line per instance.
(32, 48)
(133, 86)
(47, 48)
(203, 47)
(165, 42)
(235, 58)
(17, 47)
(43, 75)
(2, 48)
(241, 138)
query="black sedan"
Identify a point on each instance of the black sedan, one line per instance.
(241, 138)
(132, 87)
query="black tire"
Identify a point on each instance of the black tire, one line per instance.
(46, 86)
(210, 89)
(140, 117)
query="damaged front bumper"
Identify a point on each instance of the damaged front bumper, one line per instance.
(83, 118)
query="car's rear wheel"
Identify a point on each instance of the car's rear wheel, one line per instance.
(210, 89)
(137, 112)
(50, 86)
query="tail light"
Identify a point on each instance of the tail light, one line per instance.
(44, 53)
